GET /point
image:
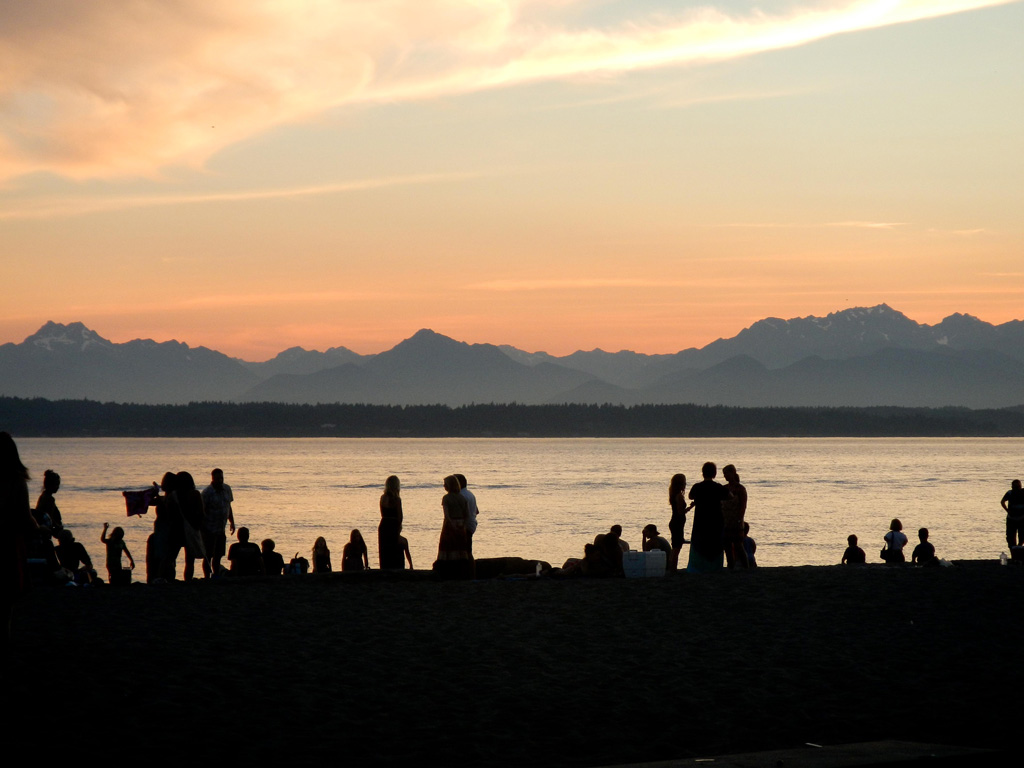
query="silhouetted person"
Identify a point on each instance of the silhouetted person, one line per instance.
(749, 546)
(733, 511)
(403, 544)
(72, 556)
(473, 510)
(652, 540)
(354, 556)
(245, 557)
(706, 535)
(390, 527)
(610, 547)
(115, 546)
(217, 498)
(168, 537)
(321, 556)
(46, 513)
(453, 557)
(16, 523)
(273, 563)
(895, 541)
(853, 555)
(1013, 503)
(677, 524)
(924, 553)
(190, 501)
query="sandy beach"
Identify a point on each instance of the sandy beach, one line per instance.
(397, 670)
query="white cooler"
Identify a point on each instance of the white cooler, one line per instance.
(638, 565)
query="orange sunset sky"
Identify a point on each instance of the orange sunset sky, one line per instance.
(552, 174)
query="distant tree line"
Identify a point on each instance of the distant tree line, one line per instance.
(38, 417)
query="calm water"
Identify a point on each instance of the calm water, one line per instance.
(546, 498)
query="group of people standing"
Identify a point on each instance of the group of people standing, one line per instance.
(719, 531)
(455, 547)
(188, 519)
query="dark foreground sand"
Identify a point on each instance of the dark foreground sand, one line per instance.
(377, 671)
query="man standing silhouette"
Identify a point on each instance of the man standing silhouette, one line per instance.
(706, 534)
(217, 498)
(471, 518)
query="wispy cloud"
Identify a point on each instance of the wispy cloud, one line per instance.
(812, 225)
(961, 232)
(106, 89)
(79, 206)
(867, 224)
(563, 284)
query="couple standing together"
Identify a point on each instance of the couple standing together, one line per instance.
(460, 513)
(717, 519)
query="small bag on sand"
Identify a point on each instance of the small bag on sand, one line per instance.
(298, 566)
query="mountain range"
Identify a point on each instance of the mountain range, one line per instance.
(855, 357)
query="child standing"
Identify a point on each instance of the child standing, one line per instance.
(115, 546)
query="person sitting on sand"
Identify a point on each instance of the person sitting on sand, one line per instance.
(354, 556)
(115, 546)
(273, 563)
(609, 546)
(46, 512)
(749, 546)
(895, 541)
(924, 553)
(403, 544)
(245, 557)
(853, 555)
(321, 556)
(652, 541)
(592, 565)
(72, 556)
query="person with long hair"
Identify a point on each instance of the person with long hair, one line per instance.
(354, 556)
(677, 524)
(453, 557)
(193, 516)
(321, 556)
(47, 513)
(733, 511)
(16, 522)
(390, 529)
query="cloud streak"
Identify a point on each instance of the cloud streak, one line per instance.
(106, 89)
(82, 206)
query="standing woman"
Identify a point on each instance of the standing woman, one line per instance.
(47, 513)
(895, 541)
(453, 558)
(390, 529)
(677, 524)
(15, 522)
(193, 515)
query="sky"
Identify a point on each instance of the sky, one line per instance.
(552, 174)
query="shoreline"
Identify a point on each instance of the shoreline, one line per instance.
(510, 672)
